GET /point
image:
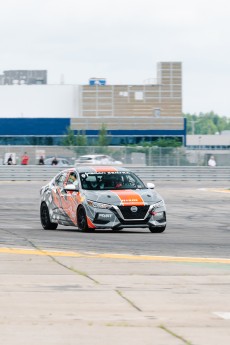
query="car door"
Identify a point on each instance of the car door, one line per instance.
(57, 194)
(69, 199)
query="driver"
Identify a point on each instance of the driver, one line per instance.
(118, 182)
(72, 178)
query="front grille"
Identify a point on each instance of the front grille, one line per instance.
(128, 214)
(134, 222)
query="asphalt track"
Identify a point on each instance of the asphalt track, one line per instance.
(131, 287)
(197, 216)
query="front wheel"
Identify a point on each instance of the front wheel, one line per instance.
(117, 229)
(82, 220)
(45, 218)
(157, 229)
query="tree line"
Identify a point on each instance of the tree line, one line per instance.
(206, 123)
(80, 139)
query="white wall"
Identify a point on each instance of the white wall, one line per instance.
(39, 101)
(210, 140)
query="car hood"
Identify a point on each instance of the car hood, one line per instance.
(125, 197)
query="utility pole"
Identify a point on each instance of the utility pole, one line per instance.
(193, 125)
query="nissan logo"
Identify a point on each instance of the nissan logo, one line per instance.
(133, 208)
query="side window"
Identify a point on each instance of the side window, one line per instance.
(133, 181)
(130, 179)
(73, 178)
(60, 180)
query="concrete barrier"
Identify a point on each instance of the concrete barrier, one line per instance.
(147, 173)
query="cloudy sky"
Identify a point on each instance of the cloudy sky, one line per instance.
(122, 41)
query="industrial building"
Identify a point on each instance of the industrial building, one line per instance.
(20, 77)
(40, 114)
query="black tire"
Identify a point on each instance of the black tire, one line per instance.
(82, 220)
(45, 218)
(157, 229)
(117, 230)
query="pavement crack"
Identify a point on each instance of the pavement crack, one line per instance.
(84, 274)
(127, 300)
(175, 335)
(70, 268)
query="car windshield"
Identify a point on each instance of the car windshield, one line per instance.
(110, 180)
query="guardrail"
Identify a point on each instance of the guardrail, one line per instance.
(184, 173)
(147, 173)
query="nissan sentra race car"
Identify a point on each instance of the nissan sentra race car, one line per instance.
(101, 198)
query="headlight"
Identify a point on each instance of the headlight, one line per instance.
(159, 204)
(97, 204)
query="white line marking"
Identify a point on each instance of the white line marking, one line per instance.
(223, 314)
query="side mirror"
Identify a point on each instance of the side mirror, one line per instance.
(71, 188)
(150, 185)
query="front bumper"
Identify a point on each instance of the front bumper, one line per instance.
(123, 217)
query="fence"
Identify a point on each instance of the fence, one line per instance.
(134, 155)
(148, 174)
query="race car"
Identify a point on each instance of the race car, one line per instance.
(101, 197)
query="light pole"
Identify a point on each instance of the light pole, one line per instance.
(193, 122)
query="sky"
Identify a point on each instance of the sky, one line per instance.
(122, 41)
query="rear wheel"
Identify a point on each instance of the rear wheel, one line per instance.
(82, 220)
(45, 218)
(157, 229)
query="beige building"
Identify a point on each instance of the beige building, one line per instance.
(41, 114)
(155, 106)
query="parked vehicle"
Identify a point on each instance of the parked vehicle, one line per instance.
(101, 198)
(63, 162)
(97, 160)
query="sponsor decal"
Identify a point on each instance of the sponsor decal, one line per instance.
(105, 215)
(129, 197)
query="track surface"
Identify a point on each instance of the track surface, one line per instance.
(51, 296)
(198, 223)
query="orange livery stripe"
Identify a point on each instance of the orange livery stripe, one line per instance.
(104, 169)
(129, 197)
(90, 223)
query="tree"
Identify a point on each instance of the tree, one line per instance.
(102, 136)
(206, 123)
(81, 139)
(161, 142)
(70, 138)
(167, 142)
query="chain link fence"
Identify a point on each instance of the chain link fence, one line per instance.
(128, 155)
